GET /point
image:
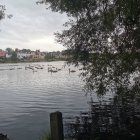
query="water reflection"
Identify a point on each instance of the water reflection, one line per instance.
(27, 98)
(117, 119)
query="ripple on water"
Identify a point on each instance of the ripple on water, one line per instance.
(27, 99)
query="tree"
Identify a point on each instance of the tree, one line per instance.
(14, 56)
(2, 12)
(26, 50)
(9, 50)
(103, 36)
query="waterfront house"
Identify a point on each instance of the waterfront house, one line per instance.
(37, 55)
(2, 54)
(8, 55)
(22, 55)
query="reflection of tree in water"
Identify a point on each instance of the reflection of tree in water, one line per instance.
(117, 119)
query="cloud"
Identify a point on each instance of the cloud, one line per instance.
(32, 26)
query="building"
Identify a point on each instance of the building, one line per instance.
(23, 55)
(8, 55)
(37, 55)
(2, 54)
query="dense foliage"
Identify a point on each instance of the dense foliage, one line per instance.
(104, 36)
(14, 56)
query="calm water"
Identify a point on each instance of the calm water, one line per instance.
(27, 98)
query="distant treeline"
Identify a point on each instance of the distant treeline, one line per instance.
(26, 55)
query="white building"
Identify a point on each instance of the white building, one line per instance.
(22, 55)
(8, 55)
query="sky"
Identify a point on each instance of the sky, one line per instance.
(31, 27)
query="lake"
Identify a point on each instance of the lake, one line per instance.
(27, 98)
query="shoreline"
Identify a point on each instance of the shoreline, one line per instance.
(12, 62)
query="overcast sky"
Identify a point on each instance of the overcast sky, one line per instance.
(31, 27)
